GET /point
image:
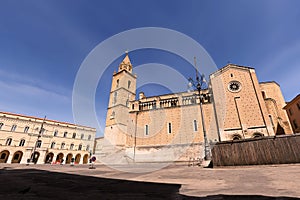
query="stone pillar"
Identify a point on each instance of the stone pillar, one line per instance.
(10, 157)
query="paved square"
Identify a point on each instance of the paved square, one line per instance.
(267, 181)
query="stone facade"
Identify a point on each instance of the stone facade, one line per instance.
(169, 127)
(56, 141)
(293, 110)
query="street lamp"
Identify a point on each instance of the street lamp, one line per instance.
(199, 84)
(32, 158)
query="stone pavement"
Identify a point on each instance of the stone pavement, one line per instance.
(171, 182)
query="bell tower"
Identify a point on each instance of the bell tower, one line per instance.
(123, 89)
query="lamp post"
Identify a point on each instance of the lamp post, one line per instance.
(32, 158)
(198, 84)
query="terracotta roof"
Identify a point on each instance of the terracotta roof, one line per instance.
(266, 82)
(292, 101)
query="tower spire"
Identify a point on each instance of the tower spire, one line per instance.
(126, 63)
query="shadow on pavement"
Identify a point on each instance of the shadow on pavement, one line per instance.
(39, 184)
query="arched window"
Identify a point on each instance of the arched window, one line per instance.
(89, 137)
(52, 145)
(74, 135)
(112, 116)
(88, 147)
(1, 124)
(257, 135)
(13, 128)
(71, 146)
(3, 156)
(39, 144)
(62, 145)
(82, 136)
(236, 137)
(80, 147)
(55, 133)
(22, 143)
(8, 141)
(65, 134)
(26, 129)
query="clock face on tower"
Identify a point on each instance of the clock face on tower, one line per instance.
(234, 86)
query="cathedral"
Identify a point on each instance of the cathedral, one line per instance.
(175, 127)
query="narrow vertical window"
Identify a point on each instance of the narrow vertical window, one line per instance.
(13, 128)
(26, 129)
(8, 142)
(88, 147)
(298, 105)
(55, 133)
(65, 134)
(89, 137)
(52, 145)
(118, 83)
(169, 127)
(82, 135)
(62, 145)
(146, 130)
(115, 98)
(263, 94)
(195, 125)
(39, 144)
(1, 124)
(22, 142)
(80, 147)
(71, 146)
(129, 83)
(42, 131)
(74, 135)
(290, 111)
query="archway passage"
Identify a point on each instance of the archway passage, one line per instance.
(17, 157)
(4, 156)
(49, 158)
(35, 157)
(59, 158)
(85, 159)
(69, 157)
(77, 159)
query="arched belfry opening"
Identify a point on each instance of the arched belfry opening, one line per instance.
(280, 130)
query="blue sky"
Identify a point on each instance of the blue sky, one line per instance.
(43, 43)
